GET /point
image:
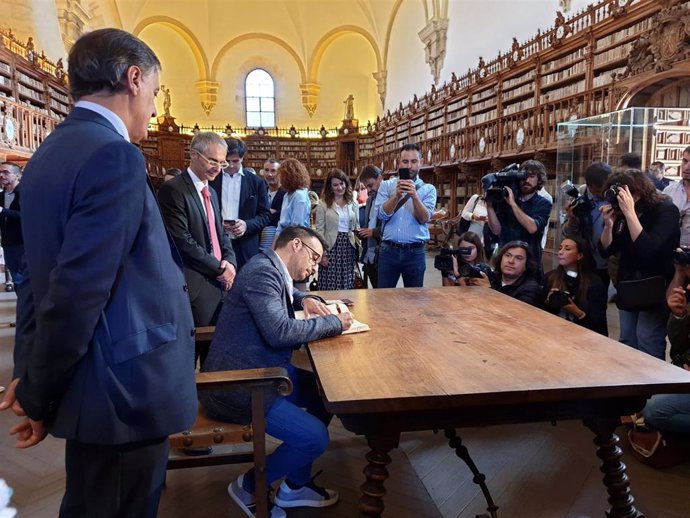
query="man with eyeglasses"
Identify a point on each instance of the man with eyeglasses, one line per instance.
(243, 203)
(257, 329)
(523, 215)
(192, 215)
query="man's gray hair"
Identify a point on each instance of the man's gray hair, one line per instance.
(204, 139)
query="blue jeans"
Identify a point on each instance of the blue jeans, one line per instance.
(394, 262)
(645, 330)
(14, 257)
(304, 434)
(669, 412)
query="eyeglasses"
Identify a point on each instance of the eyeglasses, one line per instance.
(212, 162)
(315, 256)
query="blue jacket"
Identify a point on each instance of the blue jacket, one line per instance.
(256, 328)
(109, 357)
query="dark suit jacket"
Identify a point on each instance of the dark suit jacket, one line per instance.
(257, 328)
(10, 224)
(185, 217)
(377, 230)
(111, 348)
(277, 205)
(254, 209)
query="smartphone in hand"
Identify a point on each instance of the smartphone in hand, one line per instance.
(404, 173)
(229, 222)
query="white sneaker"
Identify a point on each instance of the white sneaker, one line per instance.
(309, 495)
(247, 502)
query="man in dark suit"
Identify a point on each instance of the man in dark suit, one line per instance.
(243, 203)
(107, 349)
(192, 215)
(257, 328)
(370, 233)
(10, 224)
(276, 193)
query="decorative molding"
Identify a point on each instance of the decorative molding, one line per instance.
(667, 42)
(561, 30)
(434, 36)
(208, 92)
(380, 78)
(310, 94)
(73, 20)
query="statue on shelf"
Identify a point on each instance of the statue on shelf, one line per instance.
(30, 49)
(349, 107)
(60, 69)
(166, 100)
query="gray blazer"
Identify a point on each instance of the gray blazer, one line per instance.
(327, 219)
(257, 328)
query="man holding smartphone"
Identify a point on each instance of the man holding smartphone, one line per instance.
(404, 205)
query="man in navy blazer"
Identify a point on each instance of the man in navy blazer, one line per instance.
(257, 328)
(243, 203)
(108, 344)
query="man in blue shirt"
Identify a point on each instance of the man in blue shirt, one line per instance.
(523, 215)
(404, 207)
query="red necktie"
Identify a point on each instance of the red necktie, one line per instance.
(211, 222)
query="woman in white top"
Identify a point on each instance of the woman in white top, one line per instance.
(337, 220)
(476, 214)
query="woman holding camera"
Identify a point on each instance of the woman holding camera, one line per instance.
(516, 274)
(642, 225)
(337, 219)
(574, 290)
(469, 261)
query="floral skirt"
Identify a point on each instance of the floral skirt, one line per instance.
(340, 272)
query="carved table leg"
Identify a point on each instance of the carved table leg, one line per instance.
(461, 451)
(371, 502)
(615, 478)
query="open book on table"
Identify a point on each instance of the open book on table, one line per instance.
(336, 307)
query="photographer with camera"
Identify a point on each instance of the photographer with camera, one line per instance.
(523, 214)
(574, 290)
(641, 224)
(516, 275)
(584, 217)
(467, 261)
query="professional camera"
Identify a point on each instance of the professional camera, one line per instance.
(558, 299)
(681, 359)
(444, 260)
(611, 195)
(681, 256)
(580, 205)
(495, 184)
(467, 270)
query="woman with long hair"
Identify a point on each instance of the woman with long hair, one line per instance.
(337, 220)
(641, 225)
(296, 208)
(468, 262)
(574, 290)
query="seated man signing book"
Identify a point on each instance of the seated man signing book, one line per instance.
(257, 328)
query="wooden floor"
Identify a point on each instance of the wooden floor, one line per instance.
(533, 471)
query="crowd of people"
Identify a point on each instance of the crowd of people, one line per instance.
(112, 280)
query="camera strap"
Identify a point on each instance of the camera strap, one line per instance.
(402, 201)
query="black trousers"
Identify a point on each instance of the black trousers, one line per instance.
(370, 272)
(114, 481)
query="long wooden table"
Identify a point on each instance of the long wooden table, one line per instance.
(441, 358)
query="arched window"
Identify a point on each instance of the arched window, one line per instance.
(260, 96)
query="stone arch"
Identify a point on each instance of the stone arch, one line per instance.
(185, 34)
(389, 29)
(330, 37)
(258, 36)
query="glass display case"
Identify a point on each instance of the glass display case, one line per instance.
(655, 134)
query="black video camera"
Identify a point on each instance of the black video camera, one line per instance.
(444, 260)
(495, 184)
(580, 205)
(470, 271)
(681, 256)
(611, 195)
